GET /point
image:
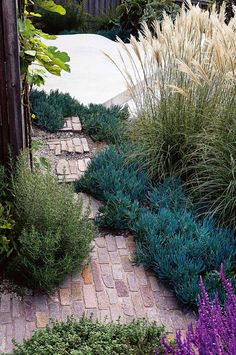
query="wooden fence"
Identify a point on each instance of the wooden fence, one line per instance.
(11, 123)
(96, 7)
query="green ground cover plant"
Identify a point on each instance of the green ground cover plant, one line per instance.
(101, 123)
(94, 338)
(53, 234)
(109, 173)
(170, 237)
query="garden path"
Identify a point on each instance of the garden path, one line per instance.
(110, 287)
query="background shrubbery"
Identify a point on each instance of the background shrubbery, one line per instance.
(88, 337)
(101, 123)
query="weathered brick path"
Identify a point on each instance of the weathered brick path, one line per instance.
(109, 288)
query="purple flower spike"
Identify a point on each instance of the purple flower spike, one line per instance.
(215, 329)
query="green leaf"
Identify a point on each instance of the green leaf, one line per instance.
(63, 56)
(51, 6)
(32, 53)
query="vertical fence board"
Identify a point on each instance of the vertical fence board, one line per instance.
(96, 7)
(11, 123)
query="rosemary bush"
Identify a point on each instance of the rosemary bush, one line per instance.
(54, 234)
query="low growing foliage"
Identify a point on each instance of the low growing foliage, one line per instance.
(93, 338)
(105, 124)
(119, 213)
(179, 247)
(54, 235)
(109, 173)
(101, 123)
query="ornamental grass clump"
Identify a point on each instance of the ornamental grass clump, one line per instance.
(186, 76)
(215, 330)
(212, 170)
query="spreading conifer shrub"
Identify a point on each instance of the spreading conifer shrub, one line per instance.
(110, 173)
(101, 123)
(50, 109)
(53, 234)
(179, 247)
(119, 213)
(105, 124)
(215, 330)
(85, 337)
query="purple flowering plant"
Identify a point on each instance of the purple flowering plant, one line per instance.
(215, 329)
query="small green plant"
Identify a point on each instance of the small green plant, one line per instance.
(119, 213)
(109, 173)
(105, 124)
(54, 234)
(86, 337)
(7, 223)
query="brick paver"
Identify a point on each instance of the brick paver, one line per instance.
(71, 170)
(68, 145)
(104, 290)
(72, 124)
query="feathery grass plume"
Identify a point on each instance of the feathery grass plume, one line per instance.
(186, 75)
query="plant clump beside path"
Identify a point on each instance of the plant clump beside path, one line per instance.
(215, 330)
(94, 338)
(52, 234)
(169, 237)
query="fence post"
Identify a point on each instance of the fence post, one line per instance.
(11, 122)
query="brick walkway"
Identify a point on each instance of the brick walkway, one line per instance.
(109, 288)
(73, 145)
